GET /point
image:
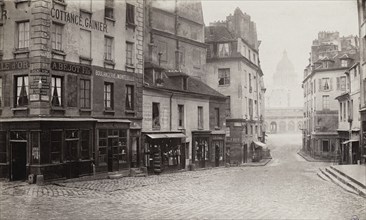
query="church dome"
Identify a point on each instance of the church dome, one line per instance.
(284, 68)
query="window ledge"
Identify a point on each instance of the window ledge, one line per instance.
(53, 108)
(19, 109)
(130, 111)
(110, 19)
(131, 25)
(131, 66)
(85, 11)
(60, 2)
(109, 62)
(20, 51)
(111, 112)
(226, 85)
(85, 110)
(58, 52)
(156, 127)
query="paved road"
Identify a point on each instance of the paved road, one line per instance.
(287, 188)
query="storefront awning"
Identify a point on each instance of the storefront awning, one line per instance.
(260, 144)
(346, 142)
(166, 135)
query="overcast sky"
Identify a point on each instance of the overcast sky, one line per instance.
(290, 25)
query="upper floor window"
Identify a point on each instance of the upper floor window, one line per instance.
(155, 115)
(224, 50)
(129, 53)
(108, 96)
(197, 58)
(1, 91)
(181, 116)
(325, 102)
(341, 83)
(84, 93)
(344, 63)
(22, 91)
(85, 44)
(86, 5)
(108, 9)
(1, 37)
(57, 36)
(130, 14)
(108, 47)
(129, 97)
(200, 117)
(250, 82)
(224, 76)
(325, 84)
(217, 117)
(23, 34)
(56, 91)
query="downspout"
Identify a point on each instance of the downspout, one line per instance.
(170, 111)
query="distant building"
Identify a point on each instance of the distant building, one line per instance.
(283, 114)
(183, 118)
(324, 80)
(362, 33)
(70, 87)
(233, 69)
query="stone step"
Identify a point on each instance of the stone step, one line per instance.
(344, 182)
(329, 177)
(322, 175)
(349, 178)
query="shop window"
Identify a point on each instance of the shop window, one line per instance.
(56, 91)
(224, 76)
(224, 50)
(130, 14)
(217, 117)
(102, 146)
(122, 147)
(108, 48)
(108, 96)
(1, 37)
(45, 147)
(156, 115)
(129, 53)
(85, 144)
(84, 93)
(56, 37)
(22, 91)
(35, 147)
(129, 97)
(56, 144)
(23, 35)
(108, 9)
(325, 102)
(71, 145)
(325, 145)
(3, 146)
(181, 116)
(200, 117)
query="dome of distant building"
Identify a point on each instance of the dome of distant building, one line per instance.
(284, 69)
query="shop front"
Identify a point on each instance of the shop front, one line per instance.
(164, 152)
(203, 154)
(218, 143)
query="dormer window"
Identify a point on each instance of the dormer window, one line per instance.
(158, 77)
(344, 63)
(325, 64)
(224, 50)
(185, 83)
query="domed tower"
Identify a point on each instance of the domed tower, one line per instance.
(285, 85)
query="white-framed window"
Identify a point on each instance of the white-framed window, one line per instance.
(129, 53)
(325, 102)
(344, 63)
(56, 91)
(56, 37)
(108, 48)
(85, 91)
(325, 84)
(109, 9)
(130, 14)
(22, 91)
(108, 96)
(224, 76)
(224, 50)
(23, 34)
(129, 97)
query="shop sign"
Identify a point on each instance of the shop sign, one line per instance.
(70, 68)
(76, 19)
(14, 65)
(114, 75)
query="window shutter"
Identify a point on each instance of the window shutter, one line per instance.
(331, 84)
(320, 85)
(338, 85)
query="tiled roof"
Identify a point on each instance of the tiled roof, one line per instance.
(218, 33)
(170, 82)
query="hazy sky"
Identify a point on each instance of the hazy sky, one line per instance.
(290, 25)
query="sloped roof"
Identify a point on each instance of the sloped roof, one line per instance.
(170, 82)
(218, 33)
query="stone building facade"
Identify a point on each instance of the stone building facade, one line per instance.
(324, 80)
(233, 69)
(71, 87)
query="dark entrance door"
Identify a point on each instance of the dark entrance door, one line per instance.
(71, 159)
(18, 160)
(217, 155)
(113, 149)
(135, 152)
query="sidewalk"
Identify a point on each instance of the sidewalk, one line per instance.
(311, 159)
(263, 162)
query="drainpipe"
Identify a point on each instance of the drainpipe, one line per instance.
(170, 112)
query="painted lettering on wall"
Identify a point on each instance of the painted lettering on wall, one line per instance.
(76, 19)
(113, 75)
(14, 65)
(71, 68)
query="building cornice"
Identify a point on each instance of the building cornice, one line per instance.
(175, 37)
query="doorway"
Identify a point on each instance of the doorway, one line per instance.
(18, 161)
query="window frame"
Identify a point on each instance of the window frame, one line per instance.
(111, 96)
(325, 102)
(217, 117)
(200, 117)
(130, 100)
(181, 116)
(130, 14)
(17, 96)
(57, 36)
(224, 74)
(23, 44)
(1, 92)
(1, 37)
(108, 48)
(109, 9)
(54, 88)
(83, 92)
(156, 116)
(129, 53)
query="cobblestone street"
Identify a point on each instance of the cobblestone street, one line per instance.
(286, 188)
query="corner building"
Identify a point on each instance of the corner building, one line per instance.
(70, 87)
